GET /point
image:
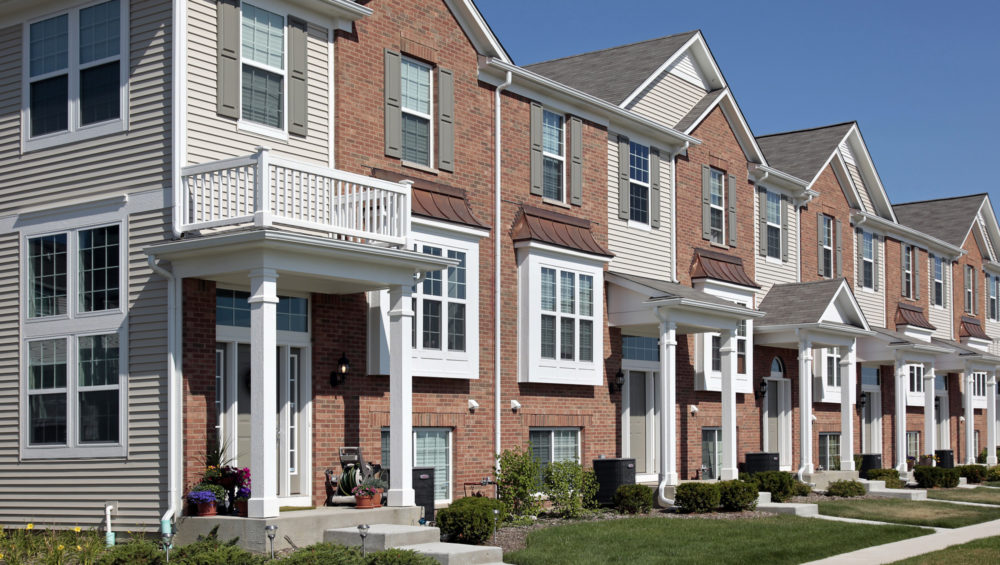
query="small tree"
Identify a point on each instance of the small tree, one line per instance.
(570, 488)
(517, 483)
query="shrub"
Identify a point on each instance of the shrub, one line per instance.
(399, 557)
(569, 488)
(890, 476)
(799, 488)
(845, 489)
(993, 473)
(633, 499)
(324, 553)
(697, 497)
(134, 551)
(973, 473)
(949, 478)
(517, 483)
(209, 550)
(930, 477)
(781, 485)
(468, 520)
(737, 496)
(981, 458)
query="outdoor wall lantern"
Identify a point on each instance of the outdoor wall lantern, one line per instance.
(339, 374)
(762, 389)
(863, 401)
(619, 381)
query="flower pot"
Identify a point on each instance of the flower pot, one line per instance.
(364, 501)
(206, 509)
(242, 508)
(926, 461)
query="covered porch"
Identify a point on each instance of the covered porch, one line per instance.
(978, 370)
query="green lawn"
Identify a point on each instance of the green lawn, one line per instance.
(979, 494)
(978, 552)
(917, 513)
(636, 541)
(992, 483)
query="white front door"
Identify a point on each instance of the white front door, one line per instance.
(639, 420)
(871, 422)
(941, 417)
(777, 436)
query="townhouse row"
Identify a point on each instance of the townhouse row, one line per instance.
(283, 227)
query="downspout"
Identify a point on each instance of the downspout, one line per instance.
(497, 218)
(173, 409)
(178, 125)
(109, 535)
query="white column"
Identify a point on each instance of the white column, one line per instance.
(902, 386)
(970, 421)
(728, 470)
(668, 403)
(263, 393)
(847, 380)
(991, 419)
(805, 408)
(930, 430)
(400, 397)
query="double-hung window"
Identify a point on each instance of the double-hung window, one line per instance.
(431, 448)
(567, 318)
(826, 233)
(829, 451)
(551, 445)
(75, 74)
(979, 384)
(916, 378)
(970, 290)
(440, 303)
(833, 375)
(774, 227)
(75, 346)
(638, 183)
(717, 206)
(415, 88)
(553, 155)
(907, 271)
(938, 281)
(867, 260)
(263, 68)
(994, 284)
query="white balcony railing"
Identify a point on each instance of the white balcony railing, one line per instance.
(264, 190)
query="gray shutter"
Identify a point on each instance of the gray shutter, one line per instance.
(930, 279)
(876, 241)
(393, 111)
(732, 210)
(762, 220)
(654, 188)
(623, 178)
(945, 276)
(784, 228)
(840, 255)
(859, 268)
(536, 148)
(227, 103)
(902, 269)
(575, 161)
(706, 202)
(446, 120)
(819, 244)
(916, 274)
(298, 101)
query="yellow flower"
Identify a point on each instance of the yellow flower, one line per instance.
(30, 526)
(61, 547)
(78, 548)
(77, 529)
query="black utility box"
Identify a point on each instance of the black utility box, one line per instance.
(869, 461)
(757, 462)
(423, 490)
(611, 474)
(946, 458)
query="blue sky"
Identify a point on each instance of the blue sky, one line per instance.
(919, 77)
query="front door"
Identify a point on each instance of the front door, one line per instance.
(711, 452)
(871, 422)
(639, 420)
(941, 417)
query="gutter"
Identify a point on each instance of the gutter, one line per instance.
(497, 218)
(860, 217)
(173, 397)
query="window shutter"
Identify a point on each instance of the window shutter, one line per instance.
(902, 269)
(623, 178)
(393, 112)
(930, 279)
(839, 239)
(575, 161)
(706, 202)
(654, 188)
(975, 293)
(859, 267)
(228, 56)
(762, 220)
(536, 148)
(819, 244)
(298, 101)
(732, 210)
(945, 277)
(446, 120)
(916, 273)
(876, 263)
(784, 228)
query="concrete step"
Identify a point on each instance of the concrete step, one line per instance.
(877, 488)
(791, 508)
(457, 553)
(383, 536)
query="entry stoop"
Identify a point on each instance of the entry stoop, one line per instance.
(422, 539)
(458, 554)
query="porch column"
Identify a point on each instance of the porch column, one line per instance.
(970, 421)
(848, 369)
(728, 470)
(930, 430)
(991, 419)
(400, 397)
(805, 408)
(263, 393)
(668, 403)
(901, 387)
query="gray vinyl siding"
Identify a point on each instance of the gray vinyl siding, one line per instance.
(667, 99)
(135, 160)
(872, 302)
(993, 330)
(768, 272)
(211, 137)
(638, 251)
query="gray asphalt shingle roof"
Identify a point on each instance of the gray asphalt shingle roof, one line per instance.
(666, 290)
(947, 219)
(802, 153)
(699, 109)
(614, 73)
(797, 303)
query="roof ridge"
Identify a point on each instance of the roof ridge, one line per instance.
(824, 281)
(612, 48)
(803, 130)
(982, 194)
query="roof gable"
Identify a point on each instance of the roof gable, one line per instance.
(829, 301)
(476, 29)
(947, 219)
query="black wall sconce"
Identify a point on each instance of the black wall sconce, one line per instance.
(762, 389)
(339, 374)
(619, 381)
(863, 401)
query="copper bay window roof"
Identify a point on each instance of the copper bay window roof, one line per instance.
(546, 226)
(435, 200)
(720, 266)
(970, 327)
(907, 314)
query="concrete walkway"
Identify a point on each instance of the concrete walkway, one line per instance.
(912, 547)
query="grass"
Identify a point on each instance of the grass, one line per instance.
(975, 552)
(992, 483)
(979, 494)
(295, 508)
(658, 540)
(913, 512)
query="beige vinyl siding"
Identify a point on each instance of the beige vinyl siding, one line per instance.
(872, 302)
(866, 199)
(667, 99)
(993, 330)
(131, 161)
(637, 251)
(984, 236)
(769, 272)
(211, 137)
(941, 317)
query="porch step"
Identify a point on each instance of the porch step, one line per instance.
(878, 489)
(458, 554)
(764, 504)
(383, 536)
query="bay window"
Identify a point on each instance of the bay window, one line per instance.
(917, 378)
(833, 375)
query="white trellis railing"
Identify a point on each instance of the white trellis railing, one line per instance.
(265, 190)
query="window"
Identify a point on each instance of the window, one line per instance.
(970, 299)
(76, 74)
(829, 451)
(416, 88)
(979, 384)
(833, 367)
(638, 183)
(740, 339)
(711, 453)
(554, 445)
(907, 271)
(263, 68)
(826, 233)
(717, 206)
(553, 155)
(640, 348)
(938, 281)
(431, 448)
(913, 444)
(870, 376)
(232, 308)
(994, 284)
(916, 378)
(440, 305)
(773, 242)
(940, 382)
(716, 353)
(567, 315)
(97, 278)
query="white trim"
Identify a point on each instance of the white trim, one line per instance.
(428, 116)
(561, 157)
(244, 124)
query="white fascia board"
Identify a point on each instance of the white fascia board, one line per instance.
(734, 313)
(990, 221)
(695, 39)
(908, 235)
(476, 29)
(704, 114)
(843, 175)
(734, 116)
(868, 166)
(339, 14)
(783, 182)
(449, 227)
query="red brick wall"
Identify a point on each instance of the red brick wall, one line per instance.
(893, 281)
(973, 257)
(831, 202)
(199, 375)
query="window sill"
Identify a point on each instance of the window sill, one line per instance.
(718, 245)
(60, 452)
(258, 129)
(66, 137)
(773, 260)
(867, 289)
(553, 202)
(419, 167)
(633, 224)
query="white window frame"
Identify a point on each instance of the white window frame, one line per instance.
(832, 379)
(970, 295)
(429, 116)
(451, 456)
(638, 184)
(561, 158)
(75, 131)
(242, 123)
(828, 246)
(706, 377)
(993, 282)
(717, 178)
(913, 440)
(771, 224)
(70, 327)
(532, 258)
(978, 389)
(834, 461)
(552, 444)
(908, 271)
(938, 285)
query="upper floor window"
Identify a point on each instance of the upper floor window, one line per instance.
(907, 271)
(416, 88)
(263, 73)
(826, 246)
(773, 223)
(938, 281)
(76, 75)
(994, 284)
(868, 260)
(419, 112)
(833, 367)
(916, 378)
(440, 304)
(970, 289)
(638, 183)
(97, 277)
(553, 155)
(717, 206)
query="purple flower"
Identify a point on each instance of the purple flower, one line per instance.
(201, 496)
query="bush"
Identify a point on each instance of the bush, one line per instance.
(737, 496)
(981, 458)
(399, 557)
(517, 483)
(633, 499)
(799, 488)
(973, 474)
(135, 551)
(781, 485)
(993, 474)
(697, 497)
(208, 550)
(845, 489)
(324, 553)
(949, 478)
(890, 476)
(930, 477)
(569, 488)
(468, 520)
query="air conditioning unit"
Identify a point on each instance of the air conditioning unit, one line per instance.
(611, 474)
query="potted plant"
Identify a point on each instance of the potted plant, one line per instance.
(928, 459)
(911, 461)
(365, 494)
(241, 500)
(204, 500)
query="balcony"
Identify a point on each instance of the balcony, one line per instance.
(264, 190)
